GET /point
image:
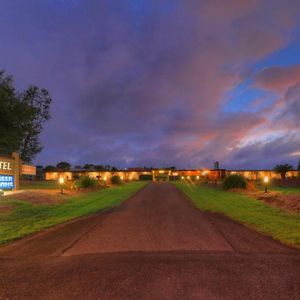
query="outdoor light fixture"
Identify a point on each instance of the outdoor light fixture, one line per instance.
(61, 181)
(122, 177)
(161, 171)
(197, 177)
(182, 177)
(188, 177)
(266, 181)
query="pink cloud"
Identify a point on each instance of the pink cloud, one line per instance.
(277, 78)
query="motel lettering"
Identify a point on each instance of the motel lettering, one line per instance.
(5, 165)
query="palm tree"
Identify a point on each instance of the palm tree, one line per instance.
(282, 169)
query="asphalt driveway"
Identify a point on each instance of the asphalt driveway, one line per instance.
(154, 246)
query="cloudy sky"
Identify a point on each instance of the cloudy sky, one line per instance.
(161, 82)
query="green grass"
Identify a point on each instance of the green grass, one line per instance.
(49, 184)
(280, 225)
(27, 218)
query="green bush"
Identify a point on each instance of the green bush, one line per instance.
(234, 181)
(116, 179)
(86, 182)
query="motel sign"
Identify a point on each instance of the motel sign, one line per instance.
(10, 170)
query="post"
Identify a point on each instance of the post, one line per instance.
(17, 162)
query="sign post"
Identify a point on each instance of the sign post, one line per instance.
(16, 156)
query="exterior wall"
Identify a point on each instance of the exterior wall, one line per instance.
(260, 174)
(56, 175)
(105, 176)
(203, 173)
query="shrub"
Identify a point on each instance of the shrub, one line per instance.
(116, 179)
(86, 182)
(234, 181)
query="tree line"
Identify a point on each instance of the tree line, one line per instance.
(65, 166)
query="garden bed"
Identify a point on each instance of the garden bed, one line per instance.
(288, 202)
(43, 196)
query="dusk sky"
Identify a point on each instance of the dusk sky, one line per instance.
(160, 82)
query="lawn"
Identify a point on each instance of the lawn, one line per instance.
(27, 218)
(272, 221)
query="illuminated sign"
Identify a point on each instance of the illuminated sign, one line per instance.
(28, 170)
(7, 166)
(6, 182)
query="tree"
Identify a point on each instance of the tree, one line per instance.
(22, 118)
(282, 169)
(10, 109)
(64, 166)
(99, 168)
(88, 166)
(39, 172)
(298, 168)
(114, 169)
(36, 110)
(49, 168)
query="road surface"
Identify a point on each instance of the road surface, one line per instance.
(156, 245)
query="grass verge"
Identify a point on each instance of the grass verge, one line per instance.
(272, 221)
(27, 218)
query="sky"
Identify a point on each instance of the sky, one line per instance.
(160, 82)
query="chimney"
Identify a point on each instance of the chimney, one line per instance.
(216, 165)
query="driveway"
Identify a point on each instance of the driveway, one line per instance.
(154, 246)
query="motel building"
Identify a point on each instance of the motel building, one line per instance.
(165, 174)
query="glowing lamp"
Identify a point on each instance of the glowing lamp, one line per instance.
(188, 177)
(266, 180)
(182, 177)
(197, 177)
(61, 181)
